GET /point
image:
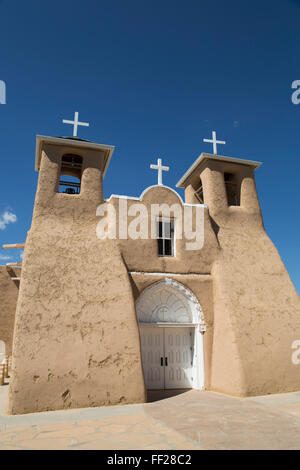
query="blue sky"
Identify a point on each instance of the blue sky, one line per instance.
(154, 78)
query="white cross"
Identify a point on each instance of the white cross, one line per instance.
(214, 141)
(160, 169)
(76, 123)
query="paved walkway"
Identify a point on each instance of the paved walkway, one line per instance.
(190, 420)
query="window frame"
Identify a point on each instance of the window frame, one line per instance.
(163, 237)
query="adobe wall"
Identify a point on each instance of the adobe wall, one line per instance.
(76, 311)
(256, 307)
(9, 295)
(142, 255)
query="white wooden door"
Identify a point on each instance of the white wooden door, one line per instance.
(152, 342)
(167, 355)
(179, 354)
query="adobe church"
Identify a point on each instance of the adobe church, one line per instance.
(93, 322)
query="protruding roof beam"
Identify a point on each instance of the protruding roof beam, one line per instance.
(14, 245)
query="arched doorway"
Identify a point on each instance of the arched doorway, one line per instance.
(171, 330)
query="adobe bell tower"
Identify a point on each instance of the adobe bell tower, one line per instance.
(225, 184)
(256, 306)
(75, 309)
(71, 173)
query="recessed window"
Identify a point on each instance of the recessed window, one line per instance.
(70, 174)
(199, 193)
(165, 237)
(233, 197)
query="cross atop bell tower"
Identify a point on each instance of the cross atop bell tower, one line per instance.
(214, 141)
(76, 123)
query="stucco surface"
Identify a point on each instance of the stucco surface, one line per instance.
(256, 319)
(142, 255)
(9, 295)
(256, 307)
(76, 339)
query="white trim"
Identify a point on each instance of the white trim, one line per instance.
(205, 206)
(117, 196)
(134, 198)
(200, 326)
(169, 274)
(145, 191)
(210, 156)
(40, 139)
(194, 306)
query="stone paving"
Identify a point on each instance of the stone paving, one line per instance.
(188, 421)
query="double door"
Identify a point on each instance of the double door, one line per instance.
(167, 355)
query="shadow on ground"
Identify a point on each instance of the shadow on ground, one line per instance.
(157, 395)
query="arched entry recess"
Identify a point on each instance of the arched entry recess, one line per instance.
(171, 328)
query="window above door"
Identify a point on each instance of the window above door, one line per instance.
(166, 237)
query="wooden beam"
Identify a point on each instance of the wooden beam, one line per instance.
(14, 245)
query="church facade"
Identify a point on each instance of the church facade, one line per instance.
(99, 320)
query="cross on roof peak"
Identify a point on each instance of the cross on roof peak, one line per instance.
(160, 169)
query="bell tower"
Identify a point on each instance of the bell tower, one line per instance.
(225, 184)
(75, 309)
(256, 307)
(71, 173)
